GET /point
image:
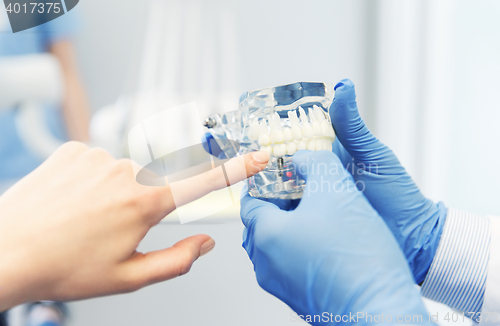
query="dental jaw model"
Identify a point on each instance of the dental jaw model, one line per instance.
(281, 121)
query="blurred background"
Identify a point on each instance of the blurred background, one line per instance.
(426, 74)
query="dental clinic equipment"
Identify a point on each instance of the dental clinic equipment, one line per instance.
(281, 121)
(28, 82)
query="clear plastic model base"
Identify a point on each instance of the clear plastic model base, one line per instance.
(280, 120)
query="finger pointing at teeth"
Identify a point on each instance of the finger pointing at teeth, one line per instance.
(233, 171)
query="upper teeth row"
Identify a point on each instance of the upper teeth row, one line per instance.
(315, 126)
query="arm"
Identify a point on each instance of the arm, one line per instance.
(70, 229)
(457, 276)
(75, 104)
(447, 248)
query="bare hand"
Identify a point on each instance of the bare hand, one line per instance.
(70, 229)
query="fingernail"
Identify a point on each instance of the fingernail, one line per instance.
(261, 157)
(207, 247)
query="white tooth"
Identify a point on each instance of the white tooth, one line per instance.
(330, 147)
(311, 144)
(294, 120)
(268, 149)
(253, 130)
(307, 130)
(312, 116)
(319, 145)
(280, 136)
(297, 133)
(279, 150)
(287, 133)
(263, 127)
(283, 149)
(331, 132)
(275, 122)
(326, 144)
(316, 128)
(278, 122)
(264, 140)
(277, 119)
(270, 120)
(314, 122)
(303, 115)
(302, 145)
(277, 136)
(325, 128)
(276, 133)
(320, 114)
(291, 148)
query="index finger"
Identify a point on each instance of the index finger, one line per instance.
(233, 171)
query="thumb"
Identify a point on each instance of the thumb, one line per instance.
(162, 265)
(350, 128)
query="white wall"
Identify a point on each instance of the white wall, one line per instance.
(438, 68)
(475, 156)
(277, 43)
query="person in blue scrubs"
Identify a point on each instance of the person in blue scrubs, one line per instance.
(68, 122)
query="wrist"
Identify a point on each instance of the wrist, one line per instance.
(11, 294)
(433, 226)
(18, 281)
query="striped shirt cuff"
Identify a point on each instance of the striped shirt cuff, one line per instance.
(457, 276)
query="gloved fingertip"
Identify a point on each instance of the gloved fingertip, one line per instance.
(345, 82)
(340, 84)
(344, 90)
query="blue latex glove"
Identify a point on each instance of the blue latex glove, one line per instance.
(415, 221)
(333, 254)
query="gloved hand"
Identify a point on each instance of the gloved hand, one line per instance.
(415, 221)
(333, 255)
